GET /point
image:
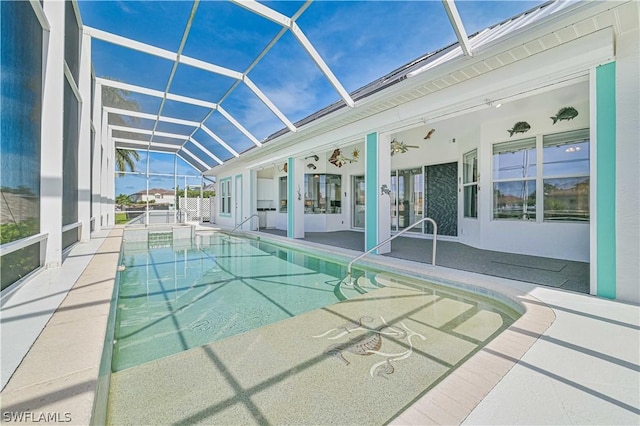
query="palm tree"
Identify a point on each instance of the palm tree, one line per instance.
(126, 158)
(118, 98)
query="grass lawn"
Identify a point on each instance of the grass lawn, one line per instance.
(121, 218)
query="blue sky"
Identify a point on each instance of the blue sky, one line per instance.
(359, 40)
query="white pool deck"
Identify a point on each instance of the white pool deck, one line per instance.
(583, 369)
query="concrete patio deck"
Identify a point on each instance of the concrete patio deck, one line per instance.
(584, 368)
(558, 273)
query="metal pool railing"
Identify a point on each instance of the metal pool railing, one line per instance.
(244, 221)
(433, 256)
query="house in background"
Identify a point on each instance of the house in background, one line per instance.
(156, 195)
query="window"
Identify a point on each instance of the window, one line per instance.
(70, 156)
(322, 194)
(514, 180)
(283, 194)
(334, 194)
(71, 127)
(470, 183)
(562, 178)
(71, 40)
(20, 109)
(225, 196)
(566, 176)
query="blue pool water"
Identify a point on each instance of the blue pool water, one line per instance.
(182, 294)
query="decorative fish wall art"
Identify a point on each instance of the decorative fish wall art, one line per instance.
(315, 157)
(431, 132)
(339, 160)
(311, 166)
(519, 127)
(566, 113)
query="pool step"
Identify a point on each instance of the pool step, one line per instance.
(366, 284)
(384, 280)
(160, 239)
(362, 285)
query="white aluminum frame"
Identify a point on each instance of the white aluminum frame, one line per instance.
(286, 23)
(475, 183)
(539, 178)
(22, 243)
(458, 26)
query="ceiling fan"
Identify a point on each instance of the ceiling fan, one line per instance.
(398, 147)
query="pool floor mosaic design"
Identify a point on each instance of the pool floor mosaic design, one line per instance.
(364, 341)
(290, 372)
(173, 298)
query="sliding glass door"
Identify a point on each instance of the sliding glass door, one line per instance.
(407, 199)
(358, 202)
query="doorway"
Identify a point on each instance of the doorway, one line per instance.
(441, 183)
(407, 190)
(358, 210)
(237, 196)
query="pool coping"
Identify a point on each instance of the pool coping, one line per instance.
(58, 378)
(457, 395)
(72, 389)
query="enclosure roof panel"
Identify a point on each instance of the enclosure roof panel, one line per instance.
(221, 78)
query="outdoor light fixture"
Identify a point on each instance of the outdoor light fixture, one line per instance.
(398, 147)
(490, 103)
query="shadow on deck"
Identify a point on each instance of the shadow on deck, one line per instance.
(558, 273)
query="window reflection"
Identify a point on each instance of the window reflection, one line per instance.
(566, 176)
(566, 199)
(515, 170)
(470, 183)
(322, 194)
(514, 200)
(283, 194)
(20, 109)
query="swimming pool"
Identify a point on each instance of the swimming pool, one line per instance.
(180, 295)
(358, 355)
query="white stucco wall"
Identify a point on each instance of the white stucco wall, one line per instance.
(525, 83)
(628, 165)
(568, 240)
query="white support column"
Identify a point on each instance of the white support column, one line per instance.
(96, 196)
(111, 183)
(146, 175)
(52, 132)
(253, 198)
(107, 174)
(384, 203)
(176, 207)
(627, 165)
(295, 198)
(84, 144)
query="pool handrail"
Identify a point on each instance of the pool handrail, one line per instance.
(244, 221)
(433, 256)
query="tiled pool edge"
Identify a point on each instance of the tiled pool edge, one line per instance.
(101, 395)
(59, 375)
(454, 398)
